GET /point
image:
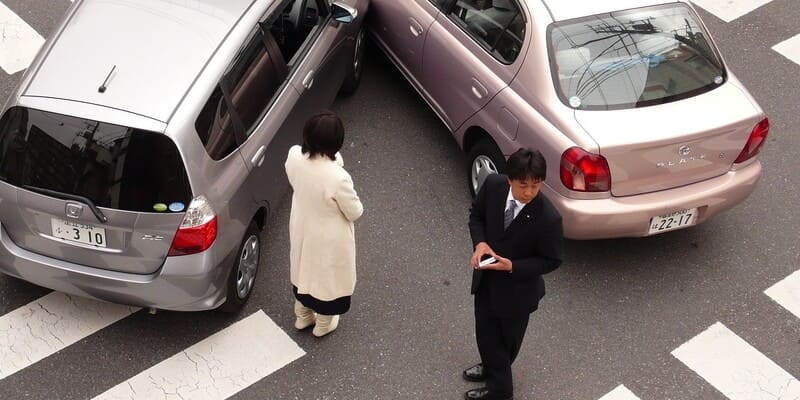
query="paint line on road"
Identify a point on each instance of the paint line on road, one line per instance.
(620, 393)
(787, 292)
(18, 41)
(736, 368)
(50, 324)
(729, 10)
(216, 367)
(789, 48)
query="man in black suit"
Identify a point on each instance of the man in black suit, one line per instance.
(512, 222)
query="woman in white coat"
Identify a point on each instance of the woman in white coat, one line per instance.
(321, 238)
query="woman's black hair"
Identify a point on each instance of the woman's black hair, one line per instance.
(323, 135)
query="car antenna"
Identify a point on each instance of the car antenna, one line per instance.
(102, 88)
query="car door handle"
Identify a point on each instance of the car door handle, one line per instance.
(258, 159)
(416, 28)
(478, 89)
(308, 81)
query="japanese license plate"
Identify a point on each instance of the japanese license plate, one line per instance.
(79, 232)
(670, 222)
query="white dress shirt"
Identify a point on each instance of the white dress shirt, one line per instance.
(519, 204)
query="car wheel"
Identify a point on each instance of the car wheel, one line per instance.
(243, 274)
(356, 67)
(484, 159)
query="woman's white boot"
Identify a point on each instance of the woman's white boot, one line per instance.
(325, 324)
(305, 316)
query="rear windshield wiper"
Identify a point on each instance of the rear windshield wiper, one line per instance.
(67, 196)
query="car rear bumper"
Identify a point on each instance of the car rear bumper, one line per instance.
(630, 216)
(184, 283)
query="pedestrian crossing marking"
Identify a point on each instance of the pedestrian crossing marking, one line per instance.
(52, 323)
(789, 48)
(18, 41)
(620, 393)
(216, 367)
(787, 292)
(736, 368)
(729, 10)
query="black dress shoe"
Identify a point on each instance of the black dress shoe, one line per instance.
(475, 373)
(484, 394)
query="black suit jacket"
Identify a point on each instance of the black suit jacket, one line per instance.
(533, 242)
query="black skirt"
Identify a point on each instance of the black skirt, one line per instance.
(336, 306)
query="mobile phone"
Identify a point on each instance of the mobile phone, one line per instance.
(486, 260)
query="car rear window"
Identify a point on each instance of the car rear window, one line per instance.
(633, 58)
(113, 166)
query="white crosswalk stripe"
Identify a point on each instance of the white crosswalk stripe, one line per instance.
(736, 368)
(49, 324)
(787, 292)
(729, 10)
(620, 393)
(790, 48)
(18, 42)
(218, 366)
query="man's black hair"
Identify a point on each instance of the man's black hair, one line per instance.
(323, 135)
(526, 163)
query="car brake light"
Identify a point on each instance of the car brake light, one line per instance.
(585, 172)
(757, 138)
(198, 229)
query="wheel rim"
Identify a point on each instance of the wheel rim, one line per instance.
(359, 54)
(248, 264)
(482, 166)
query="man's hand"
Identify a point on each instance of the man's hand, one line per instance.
(480, 249)
(502, 264)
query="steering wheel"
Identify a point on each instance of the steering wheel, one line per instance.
(295, 15)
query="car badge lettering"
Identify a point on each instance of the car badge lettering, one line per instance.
(153, 237)
(74, 210)
(681, 161)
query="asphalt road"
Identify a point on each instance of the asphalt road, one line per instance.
(613, 313)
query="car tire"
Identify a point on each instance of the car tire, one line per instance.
(356, 67)
(243, 274)
(483, 158)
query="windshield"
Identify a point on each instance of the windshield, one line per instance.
(633, 58)
(111, 165)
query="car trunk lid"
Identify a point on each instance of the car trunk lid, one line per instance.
(675, 144)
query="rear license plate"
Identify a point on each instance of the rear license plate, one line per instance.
(670, 222)
(79, 232)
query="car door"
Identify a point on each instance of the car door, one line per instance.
(472, 52)
(401, 27)
(308, 55)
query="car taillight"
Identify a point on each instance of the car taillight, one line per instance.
(585, 172)
(757, 138)
(197, 231)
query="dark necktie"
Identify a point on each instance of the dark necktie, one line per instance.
(509, 214)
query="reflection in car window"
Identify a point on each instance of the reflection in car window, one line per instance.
(633, 58)
(248, 86)
(111, 165)
(498, 25)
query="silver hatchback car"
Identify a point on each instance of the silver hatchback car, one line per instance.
(644, 127)
(143, 151)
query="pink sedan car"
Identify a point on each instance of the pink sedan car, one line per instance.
(643, 126)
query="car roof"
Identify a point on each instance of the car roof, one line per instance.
(568, 9)
(156, 49)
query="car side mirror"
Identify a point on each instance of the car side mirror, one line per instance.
(343, 13)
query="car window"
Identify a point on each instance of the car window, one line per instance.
(633, 58)
(440, 4)
(246, 91)
(113, 166)
(498, 25)
(242, 96)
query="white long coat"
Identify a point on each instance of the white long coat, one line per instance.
(322, 244)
